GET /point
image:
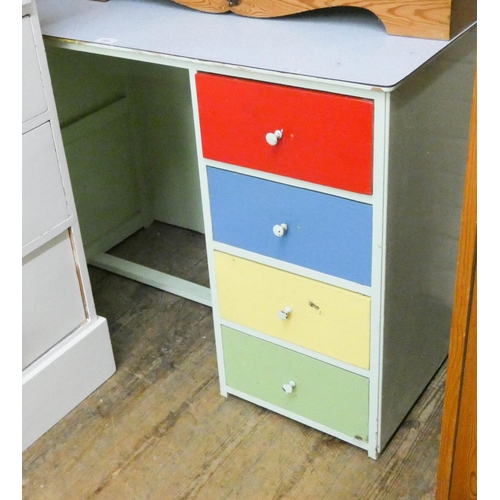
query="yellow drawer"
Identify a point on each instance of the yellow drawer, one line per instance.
(314, 315)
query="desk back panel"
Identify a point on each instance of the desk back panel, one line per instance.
(129, 137)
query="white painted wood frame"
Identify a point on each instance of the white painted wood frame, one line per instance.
(67, 356)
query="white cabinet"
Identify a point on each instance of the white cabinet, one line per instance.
(66, 347)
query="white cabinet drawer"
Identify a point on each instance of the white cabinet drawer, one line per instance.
(34, 100)
(44, 199)
(52, 301)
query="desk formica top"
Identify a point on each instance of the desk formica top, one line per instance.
(346, 45)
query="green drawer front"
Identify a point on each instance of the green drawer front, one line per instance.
(323, 393)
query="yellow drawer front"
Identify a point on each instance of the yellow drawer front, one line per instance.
(320, 317)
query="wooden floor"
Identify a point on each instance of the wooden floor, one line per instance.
(159, 429)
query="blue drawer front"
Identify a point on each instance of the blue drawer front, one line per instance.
(325, 233)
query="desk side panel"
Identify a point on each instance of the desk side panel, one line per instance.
(429, 123)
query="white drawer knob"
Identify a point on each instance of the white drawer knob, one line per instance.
(284, 313)
(272, 138)
(280, 229)
(288, 388)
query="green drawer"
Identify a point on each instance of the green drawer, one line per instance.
(325, 394)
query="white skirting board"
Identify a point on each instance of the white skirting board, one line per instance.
(151, 277)
(61, 379)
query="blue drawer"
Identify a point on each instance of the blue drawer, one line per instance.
(325, 233)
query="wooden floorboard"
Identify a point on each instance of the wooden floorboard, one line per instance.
(160, 430)
(168, 249)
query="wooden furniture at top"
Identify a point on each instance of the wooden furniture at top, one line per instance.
(330, 174)
(438, 19)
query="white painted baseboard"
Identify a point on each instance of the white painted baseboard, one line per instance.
(62, 378)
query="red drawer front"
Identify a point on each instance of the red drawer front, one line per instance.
(327, 138)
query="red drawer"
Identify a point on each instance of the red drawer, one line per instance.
(326, 138)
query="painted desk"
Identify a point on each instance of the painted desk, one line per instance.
(331, 293)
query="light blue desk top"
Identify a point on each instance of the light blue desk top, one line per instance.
(340, 44)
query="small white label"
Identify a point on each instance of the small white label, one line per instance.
(107, 41)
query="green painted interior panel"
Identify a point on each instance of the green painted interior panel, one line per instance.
(325, 394)
(84, 83)
(164, 112)
(103, 176)
(139, 161)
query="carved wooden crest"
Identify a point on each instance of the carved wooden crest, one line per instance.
(437, 19)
